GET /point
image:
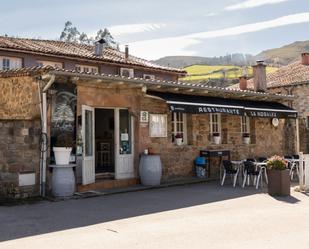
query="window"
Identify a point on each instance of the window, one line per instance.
(245, 124)
(86, 69)
(158, 125)
(179, 126)
(215, 123)
(149, 77)
(50, 63)
(127, 72)
(7, 63)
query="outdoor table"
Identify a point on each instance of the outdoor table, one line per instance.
(215, 153)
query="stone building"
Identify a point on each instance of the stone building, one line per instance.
(112, 102)
(292, 79)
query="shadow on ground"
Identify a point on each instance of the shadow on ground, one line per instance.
(46, 217)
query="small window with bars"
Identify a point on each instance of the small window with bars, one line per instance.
(215, 123)
(6, 64)
(179, 126)
(245, 125)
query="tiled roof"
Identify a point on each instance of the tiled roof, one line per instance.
(292, 74)
(75, 50)
(37, 71)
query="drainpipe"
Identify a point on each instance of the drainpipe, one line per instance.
(44, 135)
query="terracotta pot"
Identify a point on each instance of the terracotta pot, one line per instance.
(278, 182)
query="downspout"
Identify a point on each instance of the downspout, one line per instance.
(44, 146)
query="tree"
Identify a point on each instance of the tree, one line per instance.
(107, 36)
(69, 33)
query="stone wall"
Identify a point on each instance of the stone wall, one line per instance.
(301, 104)
(178, 160)
(19, 153)
(19, 98)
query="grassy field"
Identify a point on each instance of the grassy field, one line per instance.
(205, 72)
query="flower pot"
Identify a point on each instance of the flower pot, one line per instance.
(246, 140)
(178, 141)
(62, 155)
(217, 139)
(278, 182)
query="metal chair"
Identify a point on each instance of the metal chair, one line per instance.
(229, 170)
(294, 166)
(250, 170)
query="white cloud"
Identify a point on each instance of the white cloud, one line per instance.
(118, 30)
(253, 4)
(212, 14)
(178, 45)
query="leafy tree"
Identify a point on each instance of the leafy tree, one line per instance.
(69, 33)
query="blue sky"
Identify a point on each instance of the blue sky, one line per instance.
(154, 29)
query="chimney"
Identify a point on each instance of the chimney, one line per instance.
(305, 59)
(243, 82)
(259, 77)
(99, 47)
(126, 52)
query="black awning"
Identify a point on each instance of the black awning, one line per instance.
(203, 104)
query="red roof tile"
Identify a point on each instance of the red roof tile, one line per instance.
(76, 50)
(292, 74)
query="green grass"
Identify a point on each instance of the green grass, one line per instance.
(205, 72)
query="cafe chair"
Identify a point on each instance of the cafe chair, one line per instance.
(294, 166)
(262, 159)
(229, 170)
(249, 171)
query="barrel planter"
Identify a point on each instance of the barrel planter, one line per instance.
(63, 180)
(278, 182)
(150, 170)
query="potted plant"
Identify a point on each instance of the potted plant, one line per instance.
(63, 149)
(278, 176)
(246, 138)
(178, 139)
(217, 137)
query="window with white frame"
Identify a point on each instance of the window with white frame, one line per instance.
(245, 124)
(7, 63)
(50, 63)
(86, 69)
(127, 72)
(149, 77)
(179, 126)
(158, 125)
(215, 123)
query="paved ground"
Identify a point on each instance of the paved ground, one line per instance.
(193, 216)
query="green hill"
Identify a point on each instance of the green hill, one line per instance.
(285, 54)
(205, 72)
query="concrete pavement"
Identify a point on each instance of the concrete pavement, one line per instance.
(192, 216)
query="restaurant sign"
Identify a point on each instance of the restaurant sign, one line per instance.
(199, 109)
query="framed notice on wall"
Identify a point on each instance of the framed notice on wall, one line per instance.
(144, 117)
(158, 125)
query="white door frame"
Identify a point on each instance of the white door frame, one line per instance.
(88, 164)
(119, 159)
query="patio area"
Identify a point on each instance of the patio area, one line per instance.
(190, 216)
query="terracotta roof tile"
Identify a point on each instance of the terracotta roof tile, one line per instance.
(60, 48)
(292, 74)
(37, 71)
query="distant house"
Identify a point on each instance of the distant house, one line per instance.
(292, 79)
(114, 106)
